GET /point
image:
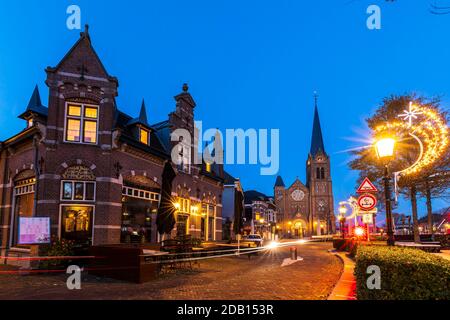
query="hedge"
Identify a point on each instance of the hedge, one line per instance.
(406, 274)
(349, 245)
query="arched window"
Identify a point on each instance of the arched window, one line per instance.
(322, 173)
(318, 173)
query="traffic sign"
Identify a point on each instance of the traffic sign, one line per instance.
(367, 218)
(367, 187)
(367, 202)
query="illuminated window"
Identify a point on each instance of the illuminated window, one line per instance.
(91, 112)
(29, 123)
(74, 110)
(81, 123)
(73, 130)
(90, 132)
(208, 167)
(143, 136)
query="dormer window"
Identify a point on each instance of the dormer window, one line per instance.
(81, 123)
(30, 123)
(144, 136)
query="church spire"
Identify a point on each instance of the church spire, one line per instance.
(317, 138)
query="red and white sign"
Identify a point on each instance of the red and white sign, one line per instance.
(367, 202)
(367, 187)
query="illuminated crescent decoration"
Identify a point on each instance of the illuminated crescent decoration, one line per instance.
(431, 134)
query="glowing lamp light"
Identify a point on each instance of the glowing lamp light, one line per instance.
(385, 148)
(359, 232)
(261, 220)
(342, 210)
(273, 245)
(177, 205)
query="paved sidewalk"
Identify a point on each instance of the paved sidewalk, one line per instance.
(444, 254)
(345, 289)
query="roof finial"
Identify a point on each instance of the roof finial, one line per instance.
(185, 87)
(316, 98)
(85, 33)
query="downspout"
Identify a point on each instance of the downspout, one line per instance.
(36, 169)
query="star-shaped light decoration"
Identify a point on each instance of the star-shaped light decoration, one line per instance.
(410, 114)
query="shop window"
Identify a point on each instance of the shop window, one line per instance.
(24, 203)
(76, 223)
(137, 219)
(81, 123)
(78, 191)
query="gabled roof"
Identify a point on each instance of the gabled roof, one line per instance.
(279, 182)
(83, 59)
(35, 105)
(186, 96)
(317, 138)
(156, 146)
(297, 183)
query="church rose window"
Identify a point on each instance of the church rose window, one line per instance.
(81, 123)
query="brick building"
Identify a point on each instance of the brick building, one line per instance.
(307, 209)
(96, 171)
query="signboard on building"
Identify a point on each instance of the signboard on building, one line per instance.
(34, 230)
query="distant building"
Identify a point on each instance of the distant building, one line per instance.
(308, 209)
(441, 222)
(260, 214)
(232, 206)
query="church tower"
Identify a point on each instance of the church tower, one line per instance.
(318, 173)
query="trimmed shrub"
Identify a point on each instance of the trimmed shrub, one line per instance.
(406, 274)
(348, 245)
(57, 248)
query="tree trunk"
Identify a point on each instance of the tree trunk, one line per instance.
(414, 214)
(429, 209)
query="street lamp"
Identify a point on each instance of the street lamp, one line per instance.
(385, 151)
(342, 212)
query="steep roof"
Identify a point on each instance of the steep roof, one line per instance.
(35, 105)
(228, 178)
(83, 59)
(142, 119)
(279, 182)
(253, 195)
(317, 144)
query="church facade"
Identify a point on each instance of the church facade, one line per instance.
(307, 209)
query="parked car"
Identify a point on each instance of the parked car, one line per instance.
(256, 239)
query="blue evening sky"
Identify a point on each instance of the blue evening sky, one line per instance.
(249, 64)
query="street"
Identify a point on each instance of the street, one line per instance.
(232, 278)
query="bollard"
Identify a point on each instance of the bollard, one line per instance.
(294, 256)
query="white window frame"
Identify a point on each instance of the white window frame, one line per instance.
(82, 119)
(147, 195)
(73, 190)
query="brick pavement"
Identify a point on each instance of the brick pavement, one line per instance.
(230, 278)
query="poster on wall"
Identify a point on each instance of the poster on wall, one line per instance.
(34, 230)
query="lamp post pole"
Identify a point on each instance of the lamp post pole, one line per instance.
(387, 195)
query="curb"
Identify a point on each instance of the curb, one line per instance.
(345, 288)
